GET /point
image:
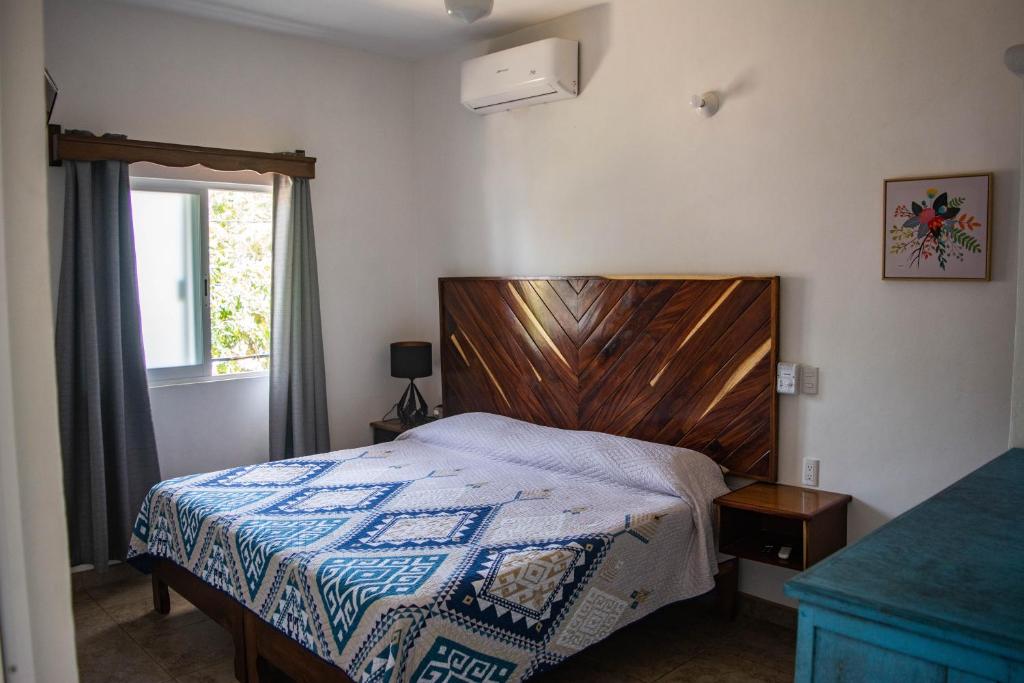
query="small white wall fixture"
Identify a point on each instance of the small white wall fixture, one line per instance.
(707, 104)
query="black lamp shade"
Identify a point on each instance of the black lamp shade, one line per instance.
(411, 359)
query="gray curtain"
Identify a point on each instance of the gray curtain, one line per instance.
(298, 392)
(106, 427)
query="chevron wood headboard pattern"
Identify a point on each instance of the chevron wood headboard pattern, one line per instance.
(682, 361)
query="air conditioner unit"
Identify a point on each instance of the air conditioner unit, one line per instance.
(539, 72)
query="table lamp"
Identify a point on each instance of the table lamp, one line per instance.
(411, 360)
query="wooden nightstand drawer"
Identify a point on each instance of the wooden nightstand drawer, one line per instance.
(761, 516)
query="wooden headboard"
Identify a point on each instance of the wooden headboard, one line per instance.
(682, 361)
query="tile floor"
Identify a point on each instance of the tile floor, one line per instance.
(121, 640)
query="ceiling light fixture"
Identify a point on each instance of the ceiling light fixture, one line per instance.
(468, 10)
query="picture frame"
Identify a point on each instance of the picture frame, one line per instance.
(937, 227)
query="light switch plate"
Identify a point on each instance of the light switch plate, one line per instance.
(808, 379)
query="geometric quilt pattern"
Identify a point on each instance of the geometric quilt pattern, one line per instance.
(194, 508)
(413, 562)
(291, 615)
(421, 528)
(214, 568)
(642, 526)
(591, 619)
(273, 474)
(523, 589)
(451, 661)
(350, 585)
(259, 540)
(381, 667)
(141, 527)
(332, 499)
(383, 655)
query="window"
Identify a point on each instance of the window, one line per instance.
(203, 255)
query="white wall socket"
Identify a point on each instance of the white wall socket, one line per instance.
(787, 378)
(810, 477)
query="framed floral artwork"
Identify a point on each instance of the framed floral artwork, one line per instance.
(937, 228)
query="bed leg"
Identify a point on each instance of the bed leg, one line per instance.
(727, 584)
(256, 668)
(238, 636)
(161, 596)
(251, 653)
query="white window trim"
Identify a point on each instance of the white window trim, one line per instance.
(203, 372)
(209, 379)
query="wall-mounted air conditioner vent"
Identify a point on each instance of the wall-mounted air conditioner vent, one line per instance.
(544, 71)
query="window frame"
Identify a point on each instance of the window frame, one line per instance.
(203, 371)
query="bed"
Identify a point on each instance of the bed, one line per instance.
(487, 546)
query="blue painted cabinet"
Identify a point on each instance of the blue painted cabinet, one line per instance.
(936, 595)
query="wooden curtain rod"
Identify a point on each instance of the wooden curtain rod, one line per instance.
(84, 147)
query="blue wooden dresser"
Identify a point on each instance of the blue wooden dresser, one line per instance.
(935, 595)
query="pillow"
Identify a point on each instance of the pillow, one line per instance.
(670, 470)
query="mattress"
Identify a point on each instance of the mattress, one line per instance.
(473, 548)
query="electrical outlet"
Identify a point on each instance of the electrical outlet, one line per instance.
(787, 378)
(810, 477)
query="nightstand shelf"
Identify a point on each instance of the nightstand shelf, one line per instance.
(752, 547)
(811, 522)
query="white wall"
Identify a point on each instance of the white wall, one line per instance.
(35, 610)
(210, 426)
(165, 77)
(1015, 61)
(821, 102)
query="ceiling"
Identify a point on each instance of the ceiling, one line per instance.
(410, 29)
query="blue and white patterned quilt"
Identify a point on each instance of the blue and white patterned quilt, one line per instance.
(475, 548)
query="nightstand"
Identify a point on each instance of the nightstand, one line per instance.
(387, 430)
(811, 522)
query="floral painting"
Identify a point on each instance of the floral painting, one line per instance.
(937, 227)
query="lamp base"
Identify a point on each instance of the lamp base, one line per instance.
(412, 408)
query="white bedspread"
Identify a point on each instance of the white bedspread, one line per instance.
(475, 548)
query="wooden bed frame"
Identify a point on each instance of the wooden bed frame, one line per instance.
(687, 361)
(265, 655)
